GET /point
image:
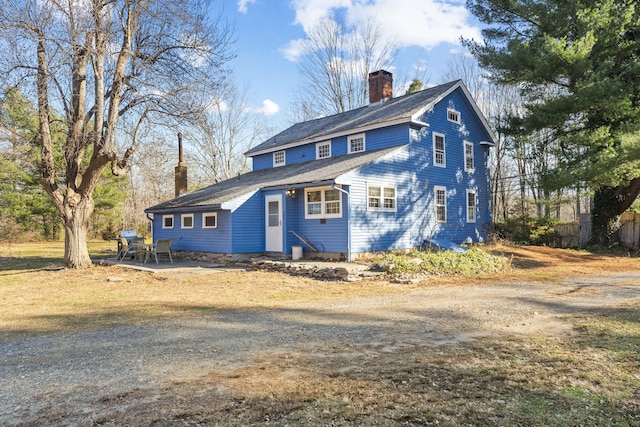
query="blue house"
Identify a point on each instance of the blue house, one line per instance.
(386, 176)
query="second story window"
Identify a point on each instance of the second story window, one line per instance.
(453, 116)
(323, 150)
(469, 165)
(356, 143)
(439, 155)
(278, 158)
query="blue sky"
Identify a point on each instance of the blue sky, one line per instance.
(268, 33)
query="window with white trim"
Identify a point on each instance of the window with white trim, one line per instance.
(469, 164)
(323, 150)
(471, 205)
(453, 115)
(439, 154)
(167, 221)
(323, 202)
(381, 198)
(356, 143)
(187, 220)
(440, 197)
(278, 158)
(210, 220)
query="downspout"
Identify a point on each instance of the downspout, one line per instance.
(348, 219)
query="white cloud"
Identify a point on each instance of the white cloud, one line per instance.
(269, 108)
(426, 24)
(243, 4)
(293, 50)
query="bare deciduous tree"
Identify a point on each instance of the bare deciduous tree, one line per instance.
(223, 134)
(336, 65)
(114, 69)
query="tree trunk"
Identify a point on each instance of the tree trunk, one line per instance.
(76, 225)
(605, 216)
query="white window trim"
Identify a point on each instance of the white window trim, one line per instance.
(456, 112)
(323, 214)
(444, 150)
(473, 159)
(475, 199)
(206, 215)
(284, 158)
(381, 207)
(437, 188)
(322, 144)
(182, 218)
(164, 224)
(357, 136)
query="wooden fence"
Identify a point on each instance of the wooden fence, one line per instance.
(577, 235)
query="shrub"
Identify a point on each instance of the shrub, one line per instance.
(473, 262)
(528, 230)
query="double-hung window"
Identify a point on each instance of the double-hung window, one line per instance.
(278, 158)
(323, 150)
(469, 164)
(323, 202)
(356, 143)
(439, 154)
(440, 197)
(381, 198)
(471, 205)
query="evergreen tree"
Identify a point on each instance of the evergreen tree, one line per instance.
(22, 198)
(579, 66)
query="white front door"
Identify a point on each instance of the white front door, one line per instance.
(273, 232)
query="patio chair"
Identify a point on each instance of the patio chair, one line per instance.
(125, 250)
(162, 246)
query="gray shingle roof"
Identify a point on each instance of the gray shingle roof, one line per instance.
(309, 172)
(394, 109)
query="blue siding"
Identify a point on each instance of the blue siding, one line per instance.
(330, 235)
(453, 177)
(374, 140)
(197, 238)
(291, 218)
(248, 225)
(374, 230)
(263, 161)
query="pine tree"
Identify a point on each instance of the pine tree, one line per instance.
(578, 64)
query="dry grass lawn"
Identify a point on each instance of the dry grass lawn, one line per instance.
(591, 379)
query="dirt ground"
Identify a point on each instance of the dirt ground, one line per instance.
(258, 348)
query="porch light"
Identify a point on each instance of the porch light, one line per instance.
(291, 193)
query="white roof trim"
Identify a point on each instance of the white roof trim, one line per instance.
(460, 84)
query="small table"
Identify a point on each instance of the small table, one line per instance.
(146, 248)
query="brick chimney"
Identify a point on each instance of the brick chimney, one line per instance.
(380, 86)
(181, 171)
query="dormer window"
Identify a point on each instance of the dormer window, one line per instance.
(323, 150)
(453, 116)
(278, 158)
(356, 143)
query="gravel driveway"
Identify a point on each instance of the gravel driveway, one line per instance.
(76, 369)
